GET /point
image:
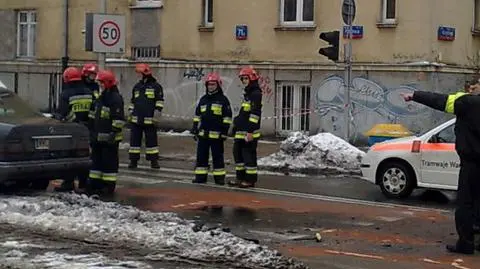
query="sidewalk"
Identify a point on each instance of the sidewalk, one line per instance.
(183, 148)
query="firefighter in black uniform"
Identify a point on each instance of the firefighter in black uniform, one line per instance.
(246, 130)
(74, 106)
(213, 116)
(89, 73)
(466, 107)
(147, 96)
(107, 121)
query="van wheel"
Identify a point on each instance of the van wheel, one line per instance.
(396, 180)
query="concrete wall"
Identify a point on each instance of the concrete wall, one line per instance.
(375, 95)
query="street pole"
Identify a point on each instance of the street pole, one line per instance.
(101, 56)
(348, 74)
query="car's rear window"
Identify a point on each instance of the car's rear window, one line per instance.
(14, 107)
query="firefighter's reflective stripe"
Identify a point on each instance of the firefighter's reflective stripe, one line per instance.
(251, 170)
(217, 109)
(254, 118)
(203, 108)
(131, 107)
(450, 105)
(80, 103)
(103, 137)
(196, 119)
(135, 150)
(148, 120)
(213, 135)
(91, 114)
(159, 104)
(136, 94)
(150, 93)
(118, 124)
(112, 177)
(105, 112)
(219, 172)
(134, 119)
(96, 94)
(239, 166)
(227, 120)
(95, 174)
(152, 150)
(242, 134)
(247, 106)
(201, 170)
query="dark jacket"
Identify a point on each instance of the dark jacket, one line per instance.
(213, 116)
(75, 102)
(147, 96)
(249, 117)
(107, 117)
(93, 86)
(467, 126)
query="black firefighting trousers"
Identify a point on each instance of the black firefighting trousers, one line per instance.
(245, 155)
(468, 201)
(204, 145)
(151, 142)
(104, 170)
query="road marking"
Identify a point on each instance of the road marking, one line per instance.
(187, 180)
(354, 254)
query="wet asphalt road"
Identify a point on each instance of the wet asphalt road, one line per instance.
(359, 227)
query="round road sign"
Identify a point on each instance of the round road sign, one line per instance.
(109, 33)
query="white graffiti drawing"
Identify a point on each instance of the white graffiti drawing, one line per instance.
(370, 104)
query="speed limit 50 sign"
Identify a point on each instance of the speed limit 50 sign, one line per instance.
(105, 33)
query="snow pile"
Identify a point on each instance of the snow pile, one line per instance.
(160, 236)
(323, 153)
(173, 133)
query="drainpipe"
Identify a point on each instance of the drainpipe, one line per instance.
(65, 36)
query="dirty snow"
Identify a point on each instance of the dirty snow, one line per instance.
(322, 153)
(173, 133)
(23, 260)
(165, 236)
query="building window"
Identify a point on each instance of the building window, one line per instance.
(149, 3)
(298, 12)
(389, 11)
(207, 13)
(293, 108)
(476, 23)
(26, 28)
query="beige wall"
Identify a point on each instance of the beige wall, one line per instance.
(413, 39)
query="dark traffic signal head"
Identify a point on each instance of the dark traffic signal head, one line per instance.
(333, 39)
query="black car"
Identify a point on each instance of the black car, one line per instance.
(35, 149)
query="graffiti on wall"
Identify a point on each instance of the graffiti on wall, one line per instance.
(195, 73)
(266, 86)
(370, 104)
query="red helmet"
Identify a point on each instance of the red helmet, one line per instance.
(107, 78)
(143, 69)
(90, 68)
(213, 77)
(72, 74)
(249, 72)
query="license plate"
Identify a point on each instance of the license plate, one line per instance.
(42, 144)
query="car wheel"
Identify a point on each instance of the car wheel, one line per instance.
(396, 180)
(40, 184)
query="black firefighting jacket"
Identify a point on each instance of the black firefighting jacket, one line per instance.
(93, 86)
(213, 116)
(147, 95)
(249, 117)
(107, 117)
(467, 126)
(75, 102)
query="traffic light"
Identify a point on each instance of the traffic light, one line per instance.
(333, 39)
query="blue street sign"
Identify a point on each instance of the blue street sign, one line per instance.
(446, 33)
(357, 31)
(241, 32)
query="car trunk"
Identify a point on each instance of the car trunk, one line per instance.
(45, 139)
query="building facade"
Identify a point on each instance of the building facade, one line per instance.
(398, 46)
